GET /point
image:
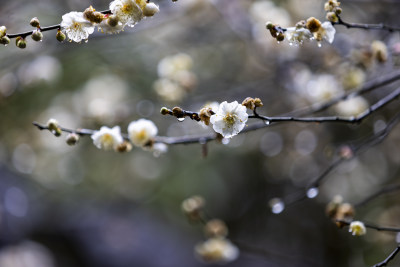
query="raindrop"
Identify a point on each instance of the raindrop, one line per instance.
(86, 40)
(290, 43)
(278, 42)
(181, 119)
(277, 205)
(267, 122)
(202, 141)
(225, 141)
(319, 44)
(312, 192)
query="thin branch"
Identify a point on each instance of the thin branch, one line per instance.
(373, 226)
(389, 258)
(367, 87)
(379, 26)
(357, 149)
(44, 29)
(381, 103)
(387, 189)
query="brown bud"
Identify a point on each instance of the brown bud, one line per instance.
(124, 147)
(178, 112)
(249, 103)
(216, 228)
(313, 24)
(205, 114)
(35, 22)
(193, 207)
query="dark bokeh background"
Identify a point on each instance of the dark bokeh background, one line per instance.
(79, 206)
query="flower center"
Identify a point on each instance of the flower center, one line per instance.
(127, 8)
(142, 135)
(230, 119)
(76, 26)
(107, 140)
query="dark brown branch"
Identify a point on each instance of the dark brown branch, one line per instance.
(389, 258)
(379, 26)
(44, 29)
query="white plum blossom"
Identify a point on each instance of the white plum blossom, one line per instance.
(230, 119)
(107, 138)
(141, 131)
(217, 250)
(357, 228)
(76, 26)
(127, 11)
(326, 31)
(297, 35)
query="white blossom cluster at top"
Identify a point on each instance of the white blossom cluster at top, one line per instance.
(79, 25)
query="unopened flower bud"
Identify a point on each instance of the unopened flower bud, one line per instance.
(332, 17)
(249, 103)
(313, 24)
(193, 207)
(338, 11)
(52, 124)
(57, 132)
(72, 139)
(280, 37)
(164, 111)
(345, 212)
(112, 21)
(178, 112)
(20, 42)
(379, 51)
(37, 35)
(60, 36)
(150, 9)
(124, 147)
(205, 114)
(3, 31)
(92, 15)
(35, 22)
(258, 103)
(4, 40)
(216, 228)
(333, 205)
(269, 25)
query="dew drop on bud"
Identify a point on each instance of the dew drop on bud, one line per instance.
(312, 192)
(267, 122)
(181, 119)
(277, 205)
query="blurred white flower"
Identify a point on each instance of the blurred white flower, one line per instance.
(169, 90)
(107, 138)
(352, 106)
(76, 26)
(217, 250)
(323, 87)
(127, 11)
(141, 131)
(170, 65)
(230, 119)
(357, 228)
(297, 35)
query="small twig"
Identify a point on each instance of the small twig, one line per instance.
(389, 258)
(379, 26)
(387, 189)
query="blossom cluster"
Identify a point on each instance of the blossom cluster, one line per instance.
(310, 29)
(79, 25)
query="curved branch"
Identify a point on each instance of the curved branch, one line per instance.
(379, 26)
(389, 258)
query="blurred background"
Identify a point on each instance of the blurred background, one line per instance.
(79, 206)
